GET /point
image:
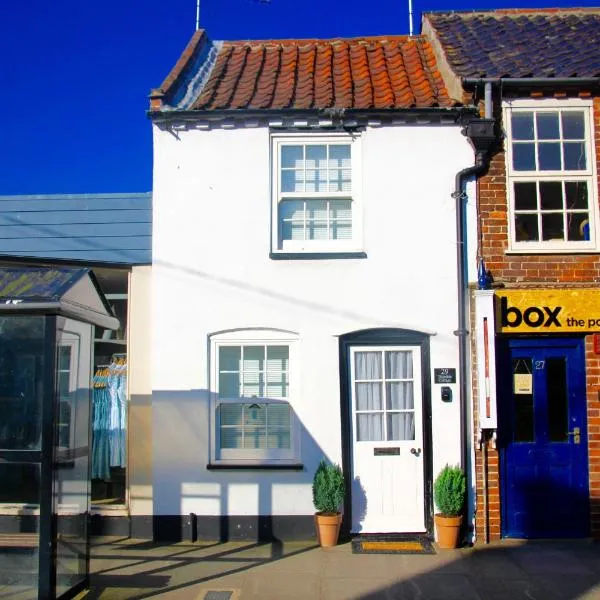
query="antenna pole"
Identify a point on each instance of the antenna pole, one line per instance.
(410, 18)
(197, 15)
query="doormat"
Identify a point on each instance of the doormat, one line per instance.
(391, 545)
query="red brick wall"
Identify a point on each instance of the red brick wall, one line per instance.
(534, 270)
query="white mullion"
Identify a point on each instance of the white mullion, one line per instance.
(304, 216)
(536, 143)
(384, 397)
(562, 148)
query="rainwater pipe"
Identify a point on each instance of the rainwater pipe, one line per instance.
(481, 135)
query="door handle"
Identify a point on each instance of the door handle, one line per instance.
(576, 433)
(415, 451)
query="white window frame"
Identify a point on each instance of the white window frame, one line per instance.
(252, 457)
(355, 244)
(588, 175)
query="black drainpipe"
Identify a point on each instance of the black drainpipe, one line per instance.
(482, 137)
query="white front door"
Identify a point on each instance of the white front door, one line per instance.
(387, 440)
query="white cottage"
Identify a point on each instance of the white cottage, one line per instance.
(304, 284)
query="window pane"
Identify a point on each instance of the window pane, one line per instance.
(400, 426)
(549, 156)
(400, 395)
(526, 227)
(291, 157)
(231, 414)
(558, 408)
(291, 216)
(398, 365)
(552, 226)
(317, 230)
(551, 195)
(316, 209)
(522, 125)
(231, 437)
(277, 365)
(573, 124)
(278, 440)
(229, 358)
(368, 396)
(547, 126)
(253, 365)
(316, 156)
(316, 180)
(578, 227)
(339, 156)
(576, 192)
(367, 365)
(341, 230)
(523, 403)
(369, 427)
(229, 385)
(340, 209)
(525, 196)
(255, 421)
(278, 416)
(292, 181)
(574, 156)
(523, 157)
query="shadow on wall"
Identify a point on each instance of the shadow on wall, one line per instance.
(194, 498)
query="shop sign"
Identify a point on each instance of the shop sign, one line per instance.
(548, 311)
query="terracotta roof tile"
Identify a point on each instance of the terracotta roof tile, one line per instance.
(521, 43)
(393, 72)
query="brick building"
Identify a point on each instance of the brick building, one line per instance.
(535, 342)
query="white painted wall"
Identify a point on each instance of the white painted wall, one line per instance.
(212, 271)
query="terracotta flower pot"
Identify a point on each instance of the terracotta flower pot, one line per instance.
(328, 528)
(448, 531)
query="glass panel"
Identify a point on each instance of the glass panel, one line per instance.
(525, 196)
(398, 365)
(551, 195)
(339, 156)
(574, 156)
(400, 426)
(231, 414)
(229, 358)
(400, 395)
(547, 126)
(19, 562)
(253, 359)
(526, 227)
(558, 402)
(231, 437)
(549, 156)
(71, 478)
(369, 427)
(21, 382)
(367, 365)
(255, 426)
(553, 226)
(292, 181)
(278, 440)
(524, 157)
(277, 366)
(576, 192)
(229, 385)
(292, 157)
(368, 396)
(523, 426)
(573, 125)
(578, 227)
(341, 230)
(291, 217)
(316, 209)
(316, 156)
(522, 125)
(317, 230)
(278, 423)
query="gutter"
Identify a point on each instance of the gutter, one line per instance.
(532, 81)
(481, 135)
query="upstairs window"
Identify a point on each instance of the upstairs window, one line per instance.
(315, 206)
(550, 167)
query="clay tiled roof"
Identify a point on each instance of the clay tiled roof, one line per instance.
(520, 43)
(395, 72)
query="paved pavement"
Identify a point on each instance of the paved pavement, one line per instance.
(132, 569)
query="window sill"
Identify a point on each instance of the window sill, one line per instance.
(228, 466)
(315, 255)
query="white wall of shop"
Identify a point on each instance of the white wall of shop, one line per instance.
(212, 272)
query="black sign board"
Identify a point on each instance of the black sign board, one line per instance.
(444, 375)
(386, 451)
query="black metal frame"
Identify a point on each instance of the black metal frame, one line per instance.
(385, 337)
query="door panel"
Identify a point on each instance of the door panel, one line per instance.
(544, 441)
(387, 439)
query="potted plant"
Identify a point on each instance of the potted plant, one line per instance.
(449, 490)
(328, 495)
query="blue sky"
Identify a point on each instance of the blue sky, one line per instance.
(75, 74)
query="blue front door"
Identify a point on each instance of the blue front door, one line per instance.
(543, 439)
